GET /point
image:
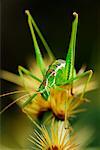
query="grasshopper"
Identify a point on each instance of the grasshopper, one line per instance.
(60, 72)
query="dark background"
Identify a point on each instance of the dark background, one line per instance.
(54, 18)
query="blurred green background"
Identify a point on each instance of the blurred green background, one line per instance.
(54, 18)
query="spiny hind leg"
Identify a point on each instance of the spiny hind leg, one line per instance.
(39, 57)
(70, 58)
(41, 37)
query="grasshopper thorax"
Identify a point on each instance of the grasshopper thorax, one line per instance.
(55, 70)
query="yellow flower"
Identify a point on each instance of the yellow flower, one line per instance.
(61, 102)
(57, 138)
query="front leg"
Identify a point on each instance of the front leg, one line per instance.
(22, 70)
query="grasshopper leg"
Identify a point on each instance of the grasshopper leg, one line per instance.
(80, 76)
(22, 70)
(41, 37)
(89, 73)
(27, 72)
(29, 100)
(70, 58)
(39, 57)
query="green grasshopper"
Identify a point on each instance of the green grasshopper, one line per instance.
(60, 72)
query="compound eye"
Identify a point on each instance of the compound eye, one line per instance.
(59, 64)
